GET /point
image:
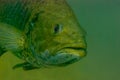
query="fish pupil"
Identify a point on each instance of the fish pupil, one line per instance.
(57, 28)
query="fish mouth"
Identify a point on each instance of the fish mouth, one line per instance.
(73, 55)
(76, 48)
(80, 51)
(66, 56)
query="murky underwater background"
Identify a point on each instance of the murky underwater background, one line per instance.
(101, 20)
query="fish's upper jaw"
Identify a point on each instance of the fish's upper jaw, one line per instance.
(79, 51)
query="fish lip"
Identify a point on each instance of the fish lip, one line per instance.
(75, 48)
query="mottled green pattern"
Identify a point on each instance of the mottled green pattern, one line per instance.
(50, 33)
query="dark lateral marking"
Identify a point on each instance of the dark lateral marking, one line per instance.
(35, 18)
(32, 23)
(2, 51)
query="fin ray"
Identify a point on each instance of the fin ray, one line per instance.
(11, 38)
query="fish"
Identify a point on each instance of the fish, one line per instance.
(42, 33)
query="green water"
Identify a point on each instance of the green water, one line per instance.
(101, 20)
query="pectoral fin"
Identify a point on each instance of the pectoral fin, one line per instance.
(11, 39)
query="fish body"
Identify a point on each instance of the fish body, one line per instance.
(44, 33)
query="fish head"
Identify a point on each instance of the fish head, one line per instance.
(58, 38)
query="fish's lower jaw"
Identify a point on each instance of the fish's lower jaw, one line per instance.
(62, 59)
(68, 56)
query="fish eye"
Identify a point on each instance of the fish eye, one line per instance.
(57, 28)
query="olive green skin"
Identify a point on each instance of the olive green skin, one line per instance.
(36, 21)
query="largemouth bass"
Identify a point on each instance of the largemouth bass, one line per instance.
(44, 33)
